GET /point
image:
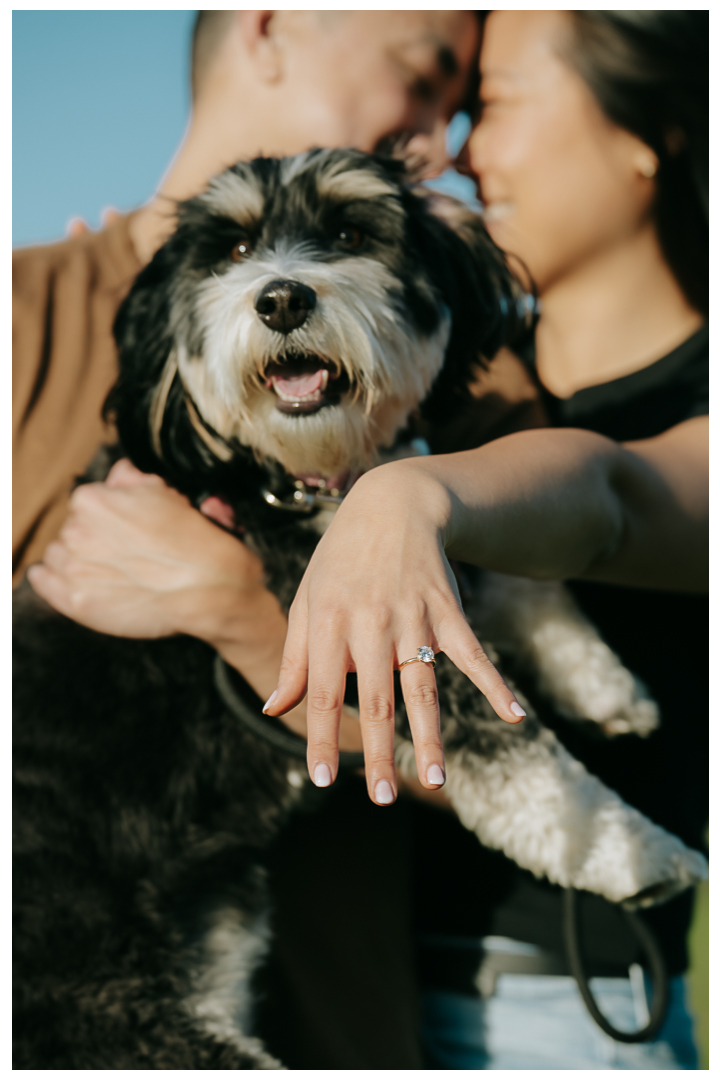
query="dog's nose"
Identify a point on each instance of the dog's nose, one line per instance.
(285, 305)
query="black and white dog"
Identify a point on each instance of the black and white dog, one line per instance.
(284, 335)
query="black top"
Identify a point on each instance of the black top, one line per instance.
(645, 403)
(663, 638)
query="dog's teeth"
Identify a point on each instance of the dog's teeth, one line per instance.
(325, 377)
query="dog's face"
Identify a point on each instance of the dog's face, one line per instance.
(304, 307)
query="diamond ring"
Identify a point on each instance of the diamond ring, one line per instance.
(424, 655)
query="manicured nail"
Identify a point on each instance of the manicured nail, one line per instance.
(435, 775)
(269, 701)
(322, 776)
(515, 709)
(383, 792)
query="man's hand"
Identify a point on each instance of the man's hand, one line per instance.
(135, 559)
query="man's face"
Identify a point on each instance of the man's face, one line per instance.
(362, 78)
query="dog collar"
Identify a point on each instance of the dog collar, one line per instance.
(308, 495)
(303, 499)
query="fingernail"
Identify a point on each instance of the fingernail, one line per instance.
(269, 701)
(435, 775)
(322, 776)
(517, 710)
(383, 792)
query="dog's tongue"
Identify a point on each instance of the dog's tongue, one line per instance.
(299, 386)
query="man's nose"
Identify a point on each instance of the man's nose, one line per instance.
(285, 305)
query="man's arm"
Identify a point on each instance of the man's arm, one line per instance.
(65, 297)
(135, 559)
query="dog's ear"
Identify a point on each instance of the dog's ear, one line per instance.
(488, 304)
(144, 342)
(159, 428)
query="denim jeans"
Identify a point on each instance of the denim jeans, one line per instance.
(540, 1022)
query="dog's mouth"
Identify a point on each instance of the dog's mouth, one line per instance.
(304, 383)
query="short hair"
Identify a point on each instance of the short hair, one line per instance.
(209, 29)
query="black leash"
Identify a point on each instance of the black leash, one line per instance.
(274, 732)
(651, 949)
(267, 727)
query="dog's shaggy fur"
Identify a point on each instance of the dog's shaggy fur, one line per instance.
(300, 313)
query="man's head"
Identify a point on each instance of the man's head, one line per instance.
(289, 80)
(276, 83)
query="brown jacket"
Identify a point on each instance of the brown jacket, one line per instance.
(65, 297)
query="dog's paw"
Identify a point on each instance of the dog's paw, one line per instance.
(639, 717)
(688, 868)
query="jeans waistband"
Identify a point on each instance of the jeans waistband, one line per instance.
(472, 965)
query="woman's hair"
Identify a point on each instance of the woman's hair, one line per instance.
(648, 71)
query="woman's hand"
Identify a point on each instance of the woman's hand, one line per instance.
(379, 586)
(135, 559)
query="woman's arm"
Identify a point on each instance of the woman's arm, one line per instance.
(569, 503)
(546, 503)
(663, 485)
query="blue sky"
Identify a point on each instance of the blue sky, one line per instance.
(100, 102)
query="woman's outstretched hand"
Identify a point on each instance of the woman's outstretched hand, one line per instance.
(378, 587)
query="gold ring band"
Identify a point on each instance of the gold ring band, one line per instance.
(415, 660)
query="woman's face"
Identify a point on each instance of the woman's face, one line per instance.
(561, 183)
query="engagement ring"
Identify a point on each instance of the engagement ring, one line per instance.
(424, 655)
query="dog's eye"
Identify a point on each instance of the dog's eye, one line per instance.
(350, 238)
(241, 251)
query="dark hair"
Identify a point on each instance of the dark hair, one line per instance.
(648, 71)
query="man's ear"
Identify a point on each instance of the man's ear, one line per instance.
(258, 30)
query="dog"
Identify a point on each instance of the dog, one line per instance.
(278, 343)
